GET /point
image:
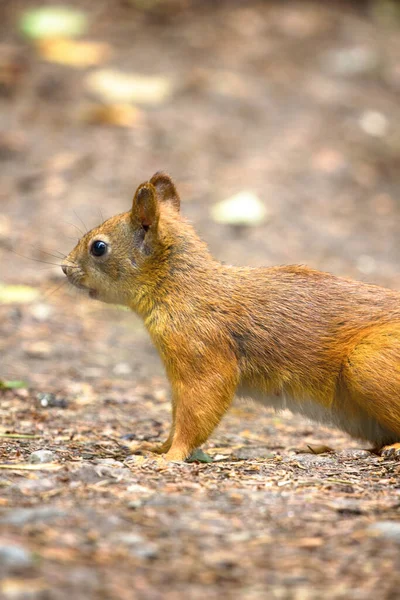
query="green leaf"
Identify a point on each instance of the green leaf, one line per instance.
(12, 385)
(17, 294)
(199, 456)
(53, 22)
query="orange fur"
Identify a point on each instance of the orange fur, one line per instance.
(325, 346)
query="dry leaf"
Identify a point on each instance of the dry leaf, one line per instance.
(244, 208)
(31, 467)
(73, 53)
(116, 86)
(122, 115)
(313, 449)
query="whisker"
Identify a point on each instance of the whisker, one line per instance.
(78, 217)
(60, 256)
(48, 294)
(76, 227)
(45, 262)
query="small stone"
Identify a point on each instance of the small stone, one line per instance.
(122, 369)
(14, 558)
(42, 456)
(309, 460)
(247, 453)
(93, 372)
(349, 62)
(31, 487)
(41, 312)
(48, 400)
(40, 350)
(389, 530)
(108, 462)
(24, 516)
(354, 453)
(366, 264)
(374, 123)
(345, 506)
(136, 544)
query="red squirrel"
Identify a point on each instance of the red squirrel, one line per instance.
(288, 336)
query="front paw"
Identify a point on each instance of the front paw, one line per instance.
(176, 455)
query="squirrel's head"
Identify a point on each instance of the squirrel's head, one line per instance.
(117, 261)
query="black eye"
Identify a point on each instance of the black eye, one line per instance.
(98, 248)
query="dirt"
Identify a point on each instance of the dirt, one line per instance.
(297, 102)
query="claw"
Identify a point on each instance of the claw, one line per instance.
(392, 451)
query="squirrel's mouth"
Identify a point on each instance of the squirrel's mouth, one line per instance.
(74, 278)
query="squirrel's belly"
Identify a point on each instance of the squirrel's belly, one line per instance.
(359, 424)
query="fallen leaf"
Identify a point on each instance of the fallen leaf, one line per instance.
(74, 53)
(31, 467)
(12, 385)
(311, 542)
(122, 115)
(199, 456)
(245, 208)
(313, 449)
(13, 588)
(115, 86)
(17, 294)
(53, 22)
(18, 436)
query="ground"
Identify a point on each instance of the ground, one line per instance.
(296, 102)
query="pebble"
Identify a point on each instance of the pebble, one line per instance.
(366, 264)
(349, 62)
(354, 453)
(347, 506)
(136, 544)
(24, 516)
(30, 487)
(253, 452)
(40, 350)
(14, 558)
(374, 123)
(389, 530)
(42, 456)
(122, 369)
(310, 459)
(41, 312)
(48, 400)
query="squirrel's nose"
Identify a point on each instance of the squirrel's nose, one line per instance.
(64, 269)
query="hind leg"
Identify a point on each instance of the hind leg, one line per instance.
(371, 376)
(391, 451)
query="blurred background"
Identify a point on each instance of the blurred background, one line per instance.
(279, 121)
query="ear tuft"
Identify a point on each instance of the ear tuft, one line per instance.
(145, 210)
(166, 190)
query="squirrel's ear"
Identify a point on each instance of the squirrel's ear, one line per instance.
(145, 211)
(166, 190)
